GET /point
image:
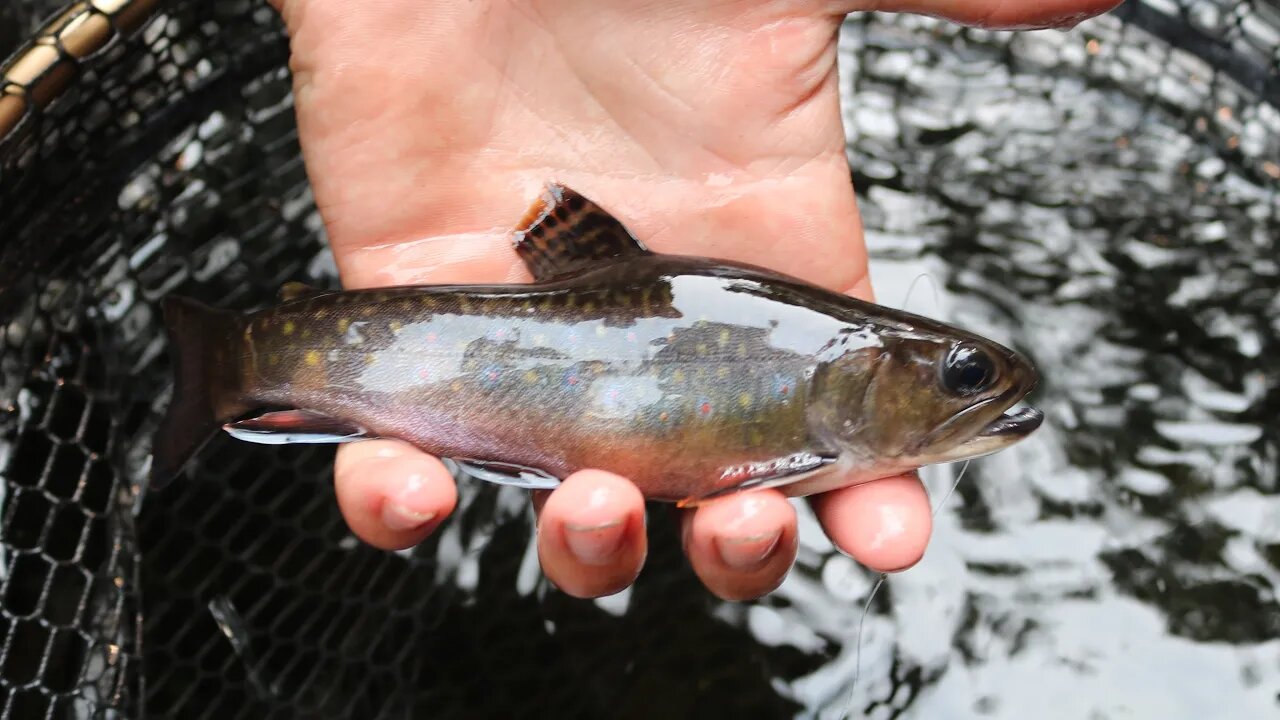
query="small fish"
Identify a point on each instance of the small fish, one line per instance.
(691, 376)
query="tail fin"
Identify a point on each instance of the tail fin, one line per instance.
(204, 350)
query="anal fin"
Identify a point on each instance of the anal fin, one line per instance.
(565, 234)
(287, 427)
(766, 474)
(502, 473)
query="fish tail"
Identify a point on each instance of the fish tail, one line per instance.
(207, 392)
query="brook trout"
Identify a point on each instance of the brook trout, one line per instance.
(691, 376)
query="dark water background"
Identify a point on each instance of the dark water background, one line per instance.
(1105, 199)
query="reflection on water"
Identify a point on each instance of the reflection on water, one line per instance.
(1123, 562)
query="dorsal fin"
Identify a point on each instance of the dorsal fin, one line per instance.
(294, 290)
(564, 233)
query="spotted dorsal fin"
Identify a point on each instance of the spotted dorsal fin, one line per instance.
(565, 234)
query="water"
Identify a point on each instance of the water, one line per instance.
(1123, 561)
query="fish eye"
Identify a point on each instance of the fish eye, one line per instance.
(967, 370)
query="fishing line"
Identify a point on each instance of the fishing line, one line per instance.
(866, 608)
(906, 302)
(954, 485)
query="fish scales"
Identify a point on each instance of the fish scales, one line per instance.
(562, 378)
(693, 377)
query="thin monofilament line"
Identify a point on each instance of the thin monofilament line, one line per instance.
(866, 608)
(906, 301)
(954, 485)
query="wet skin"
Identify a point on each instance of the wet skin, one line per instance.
(713, 129)
(694, 378)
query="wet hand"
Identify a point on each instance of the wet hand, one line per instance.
(709, 128)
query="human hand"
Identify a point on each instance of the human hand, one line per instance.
(708, 127)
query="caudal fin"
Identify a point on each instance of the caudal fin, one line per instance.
(204, 351)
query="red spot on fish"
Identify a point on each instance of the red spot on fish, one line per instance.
(432, 337)
(705, 409)
(631, 337)
(424, 373)
(785, 389)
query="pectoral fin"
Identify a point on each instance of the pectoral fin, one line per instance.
(766, 474)
(287, 427)
(564, 234)
(508, 474)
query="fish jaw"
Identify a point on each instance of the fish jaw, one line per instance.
(1006, 430)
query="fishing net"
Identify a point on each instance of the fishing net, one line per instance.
(1106, 199)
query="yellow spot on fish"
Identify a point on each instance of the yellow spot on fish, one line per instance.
(343, 324)
(321, 313)
(306, 332)
(589, 305)
(702, 348)
(464, 304)
(724, 336)
(313, 358)
(745, 400)
(678, 376)
(370, 358)
(395, 326)
(527, 306)
(530, 376)
(723, 372)
(756, 436)
(456, 386)
(742, 349)
(273, 359)
(368, 310)
(428, 301)
(601, 330)
(288, 328)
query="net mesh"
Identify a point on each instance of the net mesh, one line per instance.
(1118, 180)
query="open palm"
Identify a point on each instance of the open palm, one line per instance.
(708, 127)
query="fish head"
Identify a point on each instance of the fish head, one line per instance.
(923, 397)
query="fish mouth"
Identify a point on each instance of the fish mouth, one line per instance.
(1016, 424)
(1009, 428)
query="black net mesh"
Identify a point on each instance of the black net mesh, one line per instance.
(1106, 198)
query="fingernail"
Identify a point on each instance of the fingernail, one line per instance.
(399, 517)
(399, 514)
(747, 553)
(594, 544)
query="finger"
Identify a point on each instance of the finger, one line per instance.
(884, 524)
(743, 545)
(995, 14)
(391, 494)
(591, 534)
